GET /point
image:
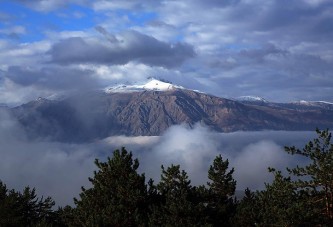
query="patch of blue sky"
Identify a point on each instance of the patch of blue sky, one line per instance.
(178, 38)
(36, 23)
(2, 25)
(20, 17)
(74, 17)
(141, 18)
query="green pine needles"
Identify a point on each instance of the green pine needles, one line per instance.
(120, 196)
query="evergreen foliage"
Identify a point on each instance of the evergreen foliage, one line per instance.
(25, 209)
(120, 196)
(315, 180)
(304, 198)
(279, 203)
(247, 210)
(178, 205)
(222, 187)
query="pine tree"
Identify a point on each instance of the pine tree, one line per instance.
(279, 204)
(247, 210)
(222, 187)
(9, 207)
(117, 196)
(304, 198)
(315, 180)
(178, 206)
(25, 209)
(34, 209)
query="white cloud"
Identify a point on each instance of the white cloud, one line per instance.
(13, 94)
(15, 30)
(191, 148)
(50, 5)
(104, 5)
(252, 163)
(111, 5)
(60, 169)
(24, 54)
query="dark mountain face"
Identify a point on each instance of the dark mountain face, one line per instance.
(97, 115)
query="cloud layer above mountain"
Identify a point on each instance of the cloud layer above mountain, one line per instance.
(281, 50)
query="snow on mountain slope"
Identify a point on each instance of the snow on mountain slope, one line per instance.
(311, 103)
(154, 85)
(314, 104)
(251, 99)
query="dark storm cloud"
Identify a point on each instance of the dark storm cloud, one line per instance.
(51, 77)
(132, 46)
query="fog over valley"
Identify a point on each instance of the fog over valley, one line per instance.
(60, 169)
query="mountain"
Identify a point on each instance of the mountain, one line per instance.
(151, 108)
(252, 99)
(299, 105)
(152, 85)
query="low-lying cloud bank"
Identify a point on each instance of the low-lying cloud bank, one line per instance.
(60, 169)
(250, 153)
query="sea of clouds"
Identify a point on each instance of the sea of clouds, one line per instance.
(60, 169)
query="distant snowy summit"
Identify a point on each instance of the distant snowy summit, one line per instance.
(296, 105)
(257, 99)
(251, 99)
(311, 103)
(151, 85)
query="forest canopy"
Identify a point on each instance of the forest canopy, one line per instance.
(120, 196)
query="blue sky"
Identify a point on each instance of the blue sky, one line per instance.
(280, 50)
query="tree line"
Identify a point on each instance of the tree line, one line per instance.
(120, 196)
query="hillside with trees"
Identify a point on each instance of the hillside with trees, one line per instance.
(120, 196)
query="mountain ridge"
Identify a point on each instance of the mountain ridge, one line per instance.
(150, 112)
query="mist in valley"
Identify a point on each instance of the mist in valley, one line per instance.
(60, 169)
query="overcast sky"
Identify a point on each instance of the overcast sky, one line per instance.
(281, 50)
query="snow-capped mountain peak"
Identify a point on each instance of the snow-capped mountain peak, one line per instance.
(158, 85)
(251, 99)
(152, 85)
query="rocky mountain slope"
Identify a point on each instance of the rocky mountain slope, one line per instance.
(151, 109)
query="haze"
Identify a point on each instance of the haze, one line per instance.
(60, 169)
